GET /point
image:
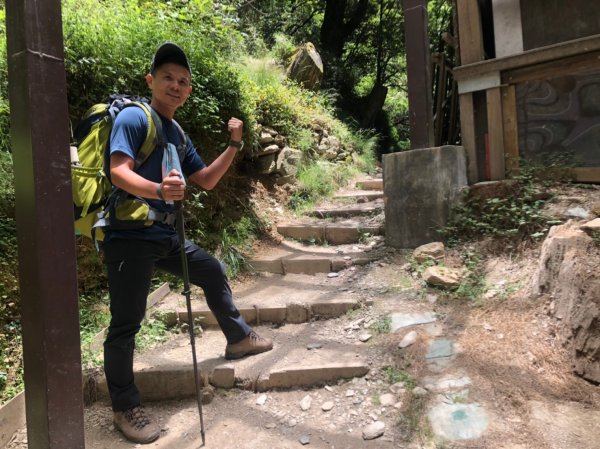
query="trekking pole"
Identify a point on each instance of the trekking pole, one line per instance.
(187, 292)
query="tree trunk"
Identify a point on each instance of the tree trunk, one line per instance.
(372, 105)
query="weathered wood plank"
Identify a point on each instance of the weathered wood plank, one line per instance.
(467, 126)
(511, 133)
(527, 58)
(469, 31)
(553, 69)
(496, 134)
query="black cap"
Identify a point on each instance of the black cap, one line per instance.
(169, 52)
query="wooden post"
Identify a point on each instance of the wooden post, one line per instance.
(469, 32)
(418, 60)
(467, 130)
(496, 134)
(45, 234)
(511, 133)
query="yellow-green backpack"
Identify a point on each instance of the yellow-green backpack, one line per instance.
(92, 190)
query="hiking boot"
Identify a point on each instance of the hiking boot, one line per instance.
(252, 344)
(136, 426)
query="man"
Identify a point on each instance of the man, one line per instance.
(132, 254)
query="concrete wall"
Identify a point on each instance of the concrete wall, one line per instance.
(420, 187)
(508, 32)
(547, 22)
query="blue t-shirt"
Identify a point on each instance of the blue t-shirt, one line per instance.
(127, 136)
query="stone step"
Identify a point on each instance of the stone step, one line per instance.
(339, 232)
(294, 258)
(269, 298)
(350, 210)
(359, 196)
(370, 184)
(166, 372)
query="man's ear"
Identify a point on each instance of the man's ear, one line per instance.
(149, 80)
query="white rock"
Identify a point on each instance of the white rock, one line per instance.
(306, 402)
(327, 406)
(364, 337)
(408, 340)
(419, 391)
(373, 430)
(261, 399)
(333, 275)
(350, 393)
(387, 399)
(397, 388)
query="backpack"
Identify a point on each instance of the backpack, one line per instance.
(96, 202)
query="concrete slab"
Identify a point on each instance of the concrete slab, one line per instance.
(458, 421)
(352, 210)
(338, 232)
(167, 372)
(370, 184)
(402, 320)
(270, 298)
(440, 348)
(421, 187)
(359, 195)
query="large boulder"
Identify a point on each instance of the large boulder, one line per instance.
(306, 67)
(288, 162)
(568, 272)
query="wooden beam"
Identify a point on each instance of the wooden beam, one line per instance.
(531, 57)
(588, 62)
(495, 134)
(470, 35)
(511, 132)
(587, 174)
(467, 131)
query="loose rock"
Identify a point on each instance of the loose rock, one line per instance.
(261, 399)
(408, 340)
(327, 406)
(304, 440)
(306, 403)
(373, 430)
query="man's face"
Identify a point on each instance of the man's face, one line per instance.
(170, 85)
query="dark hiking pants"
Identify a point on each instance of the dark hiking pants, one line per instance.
(130, 266)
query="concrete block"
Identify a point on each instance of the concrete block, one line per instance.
(420, 189)
(316, 375)
(268, 265)
(302, 232)
(297, 313)
(331, 309)
(307, 264)
(223, 376)
(370, 184)
(12, 418)
(272, 314)
(341, 234)
(159, 384)
(339, 264)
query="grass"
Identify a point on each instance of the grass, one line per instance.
(473, 285)
(382, 326)
(395, 375)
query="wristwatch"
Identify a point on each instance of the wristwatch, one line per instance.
(239, 145)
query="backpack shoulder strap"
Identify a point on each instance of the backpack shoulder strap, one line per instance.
(181, 149)
(154, 133)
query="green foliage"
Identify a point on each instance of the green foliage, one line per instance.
(235, 240)
(382, 326)
(109, 46)
(394, 375)
(318, 180)
(473, 285)
(518, 215)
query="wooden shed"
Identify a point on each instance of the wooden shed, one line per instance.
(529, 85)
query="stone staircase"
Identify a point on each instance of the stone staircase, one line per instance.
(291, 288)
